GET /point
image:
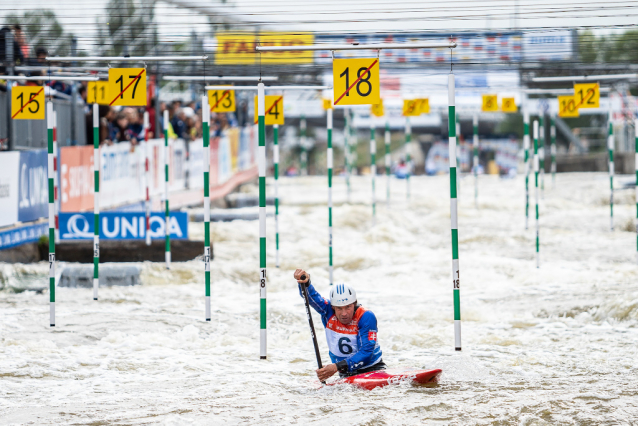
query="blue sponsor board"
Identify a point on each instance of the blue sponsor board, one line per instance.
(22, 235)
(122, 226)
(33, 188)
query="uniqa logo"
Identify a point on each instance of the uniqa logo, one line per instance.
(73, 227)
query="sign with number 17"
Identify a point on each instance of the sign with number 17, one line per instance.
(127, 87)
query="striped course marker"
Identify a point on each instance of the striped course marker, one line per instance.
(206, 142)
(527, 164)
(55, 177)
(388, 161)
(610, 148)
(50, 172)
(552, 134)
(536, 192)
(275, 154)
(302, 142)
(329, 160)
(406, 147)
(475, 142)
(167, 227)
(636, 162)
(261, 159)
(458, 161)
(96, 200)
(346, 151)
(147, 179)
(541, 153)
(454, 213)
(373, 168)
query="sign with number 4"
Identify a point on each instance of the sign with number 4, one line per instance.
(274, 113)
(127, 87)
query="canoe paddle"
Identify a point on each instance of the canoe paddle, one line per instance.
(304, 290)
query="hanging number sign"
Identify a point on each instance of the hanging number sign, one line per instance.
(327, 104)
(567, 107)
(274, 113)
(587, 95)
(96, 93)
(411, 107)
(424, 105)
(377, 109)
(127, 87)
(508, 105)
(222, 100)
(356, 81)
(490, 103)
(27, 103)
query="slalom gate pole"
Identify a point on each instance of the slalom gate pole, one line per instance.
(373, 168)
(206, 144)
(304, 290)
(167, 226)
(536, 192)
(527, 163)
(541, 153)
(56, 183)
(458, 161)
(388, 161)
(475, 142)
(552, 148)
(275, 154)
(454, 212)
(406, 146)
(329, 160)
(261, 159)
(147, 179)
(50, 173)
(636, 161)
(302, 140)
(610, 148)
(96, 200)
(346, 150)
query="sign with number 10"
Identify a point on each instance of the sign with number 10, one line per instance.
(356, 81)
(127, 87)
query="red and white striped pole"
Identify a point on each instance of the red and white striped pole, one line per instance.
(147, 177)
(55, 177)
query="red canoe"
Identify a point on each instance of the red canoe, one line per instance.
(380, 378)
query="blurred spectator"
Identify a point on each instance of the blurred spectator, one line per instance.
(21, 39)
(179, 123)
(18, 58)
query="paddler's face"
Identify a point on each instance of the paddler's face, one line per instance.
(344, 313)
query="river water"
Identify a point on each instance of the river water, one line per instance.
(555, 345)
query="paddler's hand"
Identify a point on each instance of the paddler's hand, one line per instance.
(326, 372)
(299, 273)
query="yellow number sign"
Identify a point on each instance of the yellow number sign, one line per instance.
(508, 105)
(424, 107)
(221, 100)
(411, 107)
(274, 113)
(127, 87)
(567, 106)
(490, 103)
(327, 104)
(587, 95)
(27, 103)
(377, 110)
(97, 93)
(356, 81)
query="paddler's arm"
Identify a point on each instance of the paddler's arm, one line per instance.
(318, 303)
(368, 336)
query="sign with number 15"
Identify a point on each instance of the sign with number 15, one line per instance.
(356, 81)
(127, 87)
(27, 103)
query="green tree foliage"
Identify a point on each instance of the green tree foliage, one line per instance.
(612, 48)
(127, 28)
(42, 29)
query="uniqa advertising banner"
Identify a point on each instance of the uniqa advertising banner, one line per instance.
(122, 226)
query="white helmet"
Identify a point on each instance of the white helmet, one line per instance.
(342, 295)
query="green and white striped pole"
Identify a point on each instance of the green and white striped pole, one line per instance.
(536, 192)
(552, 148)
(346, 150)
(636, 164)
(454, 213)
(527, 163)
(388, 161)
(458, 161)
(541, 153)
(329, 160)
(610, 148)
(406, 146)
(275, 155)
(167, 226)
(373, 167)
(96, 200)
(50, 172)
(475, 142)
(261, 159)
(206, 143)
(302, 142)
